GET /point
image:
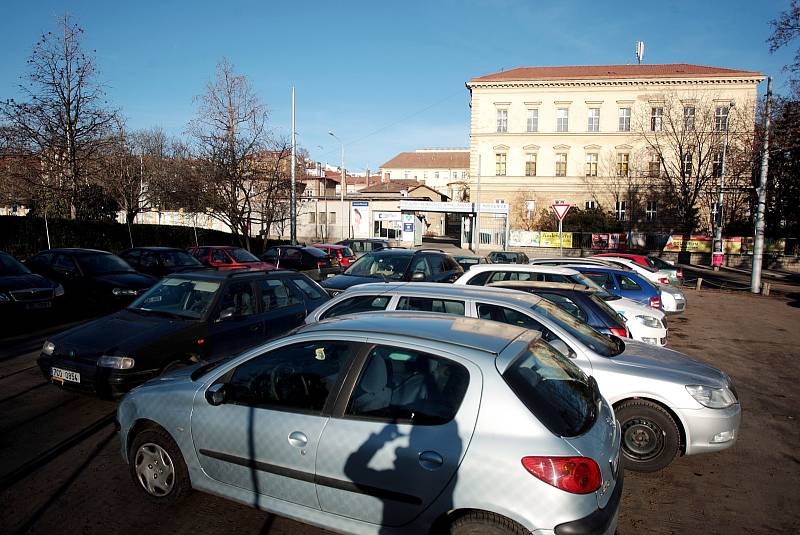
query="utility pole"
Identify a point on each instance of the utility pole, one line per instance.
(758, 241)
(476, 230)
(718, 255)
(342, 187)
(294, 178)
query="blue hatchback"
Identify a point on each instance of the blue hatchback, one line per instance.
(624, 284)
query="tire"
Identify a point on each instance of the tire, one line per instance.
(484, 523)
(157, 467)
(650, 436)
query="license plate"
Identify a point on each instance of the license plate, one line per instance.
(57, 374)
(34, 306)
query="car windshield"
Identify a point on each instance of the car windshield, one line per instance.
(10, 266)
(313, 251)
(657, 263)
(179, 297)
(178, 259)
(501, 258)
(102, 264)
(243, 255)
(379, 266)
(346, 252)
(581, 331)
(467, 260)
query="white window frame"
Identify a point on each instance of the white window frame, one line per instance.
(530, 158)
(623, 164)
(689, 115)
(621, 210)
(561, 159)
(624, 119)
(500, 164)
(591, 204)
(593, 120)
(562, 119)
(721, 117)
(651, 210)
(657, 119)
(502, 120)
(592, 159)
(533, 120)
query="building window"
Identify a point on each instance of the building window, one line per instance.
(562, 120)
(387, 176)
(406, 175)
(654, 166)
(721, 119)
(688, 118)
(312, 218)
(425, 175)
(624, 119)
(322, 218)
(463, 174)
(332, 218)
(500, 164)
(623, 163)
(436, 175)
(561, 164)
(530, 164)
(533, 120)
(620, 209)
(686, 164)
(656, 119)
(590, 205)
(499, 201)
(594, 120)
(591, 164)
(650, 210)
(502, 120)
(716, 165)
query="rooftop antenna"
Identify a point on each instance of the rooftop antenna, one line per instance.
(639, 51)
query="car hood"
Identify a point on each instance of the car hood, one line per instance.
(122, 333)
(667, 362)
(29, 280)
(134, 281)
(343, 282)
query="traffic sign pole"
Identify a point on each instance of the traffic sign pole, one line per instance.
(561, 235)
(560, 210)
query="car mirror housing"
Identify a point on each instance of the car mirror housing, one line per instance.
(216, 394)
(226, 314)
(418, 276)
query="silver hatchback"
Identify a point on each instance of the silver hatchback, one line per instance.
(387, 423)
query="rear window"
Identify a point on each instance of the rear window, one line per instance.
(346, 252)
(554, 389)
(359, 303)
(310, 288)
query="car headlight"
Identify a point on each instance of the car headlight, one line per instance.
(59, 291)
(4, 297)
(48, 347)
(713, 398)
(649, 321)
(123, 291)
(119, 363)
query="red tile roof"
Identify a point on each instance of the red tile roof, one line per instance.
(393, 186)
(590, 72)
(429, 160)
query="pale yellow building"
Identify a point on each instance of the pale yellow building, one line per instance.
(575, 134)
(445, 170)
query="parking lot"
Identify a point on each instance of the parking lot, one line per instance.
(61, 472)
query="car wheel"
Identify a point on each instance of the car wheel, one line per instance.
(158, 468)
(484, 523)
(650, 436)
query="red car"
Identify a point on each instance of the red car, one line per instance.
(340, 252)
(647, 261)
(227, 257)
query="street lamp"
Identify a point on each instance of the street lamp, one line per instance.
(718, 255)
(344, 181)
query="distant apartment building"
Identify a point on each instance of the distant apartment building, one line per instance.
(540, 135)
(444, 170)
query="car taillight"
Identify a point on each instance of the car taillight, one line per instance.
(655, 302)
(679, 273)
(578, 475)
(663, 280)
(320, 263)
(619, 331)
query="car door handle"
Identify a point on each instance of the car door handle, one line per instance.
(298, 439)
(255, 328)
(430, 460)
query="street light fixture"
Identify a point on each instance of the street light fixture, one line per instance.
(344, 181)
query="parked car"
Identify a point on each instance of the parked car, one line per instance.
(624, 284)
(643, 323)
(21, 291)
(675, 274)
(673, 300)
(361, 246)
(160, 261)
(397, 265)
(91, 278)
(508, 257)
(387, 423)
(667, 403)
(560, 261)
(227, 257)
(653, 275)
(185, 318)
(467, 261)
(577, 300)
(314, 262)
(341, 252)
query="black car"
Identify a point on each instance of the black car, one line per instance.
(421, 265)
(508, 257)
(91, 278)
(578, 300)
(160, 261)
(22, 291)
(467, 261)
(312, 261)
(185, 318)
(361, 246)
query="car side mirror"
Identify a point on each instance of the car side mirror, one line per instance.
(418, 276)
(226, 314)
(562, 347)
(215, 395)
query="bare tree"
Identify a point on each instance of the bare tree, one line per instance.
(785, 29)
(523, 211)
(64, 122)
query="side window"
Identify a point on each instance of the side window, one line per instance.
(360, 303)
(149, 260)
(420, 264)
(566, 304)
(481, 279)
(272, 252)
(132, 256)
(436, 264)
(312, 291)
(553, 277)
(275, 294)
(297, 377)
(64, 264)
(238, 299)
(292, 254)
(41, 260)
(498, 276)
(406, 386)
(626, 283)
(220, 257)
(202, 252)
(508, 315)
(603, 279)
(427, 304)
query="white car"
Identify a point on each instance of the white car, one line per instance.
(673, 300)
(644, 323)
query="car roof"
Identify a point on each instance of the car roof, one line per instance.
(155, 248)
(220, 274)
(560, 286)
(74, 250)
(331, 245)
(531, 268)
(444, 291)
(443, 328)
(599, 267)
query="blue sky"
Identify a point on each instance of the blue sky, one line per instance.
(385, 76)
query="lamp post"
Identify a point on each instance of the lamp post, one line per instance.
(344, 181)
(718, 255)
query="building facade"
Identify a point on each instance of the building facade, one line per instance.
(445, 170)
(584, 135)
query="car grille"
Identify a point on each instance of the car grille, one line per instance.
(32, 294)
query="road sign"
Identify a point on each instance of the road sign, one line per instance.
(560, 210)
